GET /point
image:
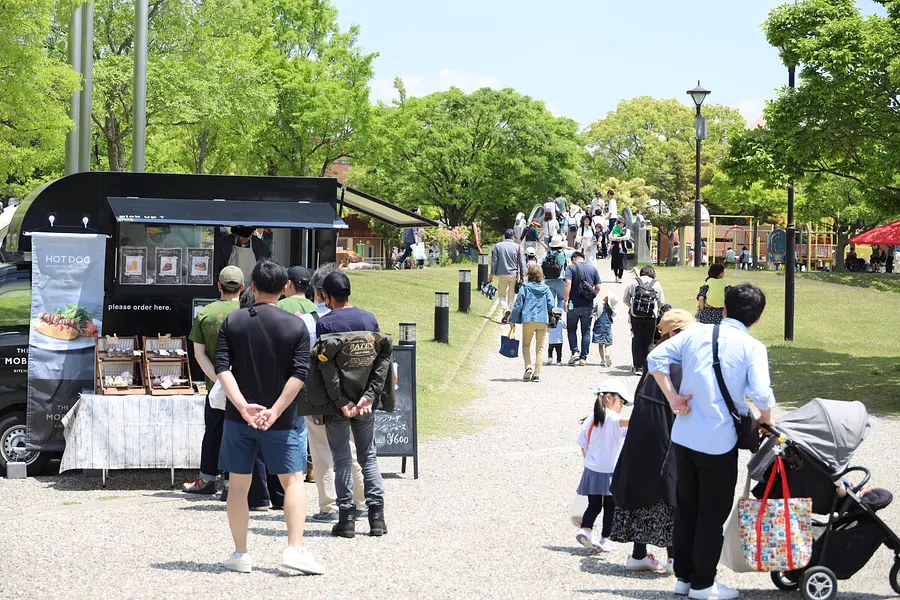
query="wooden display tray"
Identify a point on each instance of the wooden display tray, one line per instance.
(155, 365)
(106, 365)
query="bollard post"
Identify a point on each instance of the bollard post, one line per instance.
(482, 270)
(407, 334)
(442, 317)
(465, 290)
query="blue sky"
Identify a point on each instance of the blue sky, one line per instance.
(581, 57)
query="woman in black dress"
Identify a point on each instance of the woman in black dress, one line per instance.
(643, 484)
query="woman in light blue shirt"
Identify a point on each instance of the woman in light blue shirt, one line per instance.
(531, 310)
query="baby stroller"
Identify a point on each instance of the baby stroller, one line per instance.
(817, 442)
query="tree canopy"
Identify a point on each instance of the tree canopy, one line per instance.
(35, 91)
(483, 155)
(843, 119)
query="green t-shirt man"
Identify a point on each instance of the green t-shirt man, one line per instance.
(297, 305)
(206, 327)
(205, 330)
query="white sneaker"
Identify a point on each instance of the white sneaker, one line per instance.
(244, 564)
(608, 360)
(682, 588)
(583, 537)
(301, 559)
(716, 591)
(607, 545)
(670, 566)
(648, 563)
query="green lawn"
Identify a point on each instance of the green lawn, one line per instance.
(445, 371)
(846, 336)
(882, 282)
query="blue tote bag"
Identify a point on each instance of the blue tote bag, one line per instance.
(509, 345)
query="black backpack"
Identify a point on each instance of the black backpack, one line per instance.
(643, 302)
(550, 266)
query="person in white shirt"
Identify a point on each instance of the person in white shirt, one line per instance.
(550, 207)
(612, 210)
(549, 228)
(704, 436)
(576, 215)
(601, 439)
(597, 204)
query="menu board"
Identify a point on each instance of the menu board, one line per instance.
(199, 266)
(133, 265)
(396, 432)
(168, 266)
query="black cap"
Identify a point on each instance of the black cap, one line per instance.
(243, 230)
(299, 276)
(337, 284)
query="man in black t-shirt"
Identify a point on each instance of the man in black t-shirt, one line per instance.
(262, 359)
(356, 417)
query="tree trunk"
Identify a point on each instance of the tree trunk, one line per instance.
(201, 154)
(843, 238)
(115, 145)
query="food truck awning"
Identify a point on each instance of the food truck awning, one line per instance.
(304, 215)
(375, 207)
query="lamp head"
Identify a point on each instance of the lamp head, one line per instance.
(698, 94)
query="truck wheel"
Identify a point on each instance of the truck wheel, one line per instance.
(12, 445)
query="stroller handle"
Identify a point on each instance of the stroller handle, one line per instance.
(867, 475)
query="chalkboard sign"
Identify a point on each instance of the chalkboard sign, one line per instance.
(396, 432)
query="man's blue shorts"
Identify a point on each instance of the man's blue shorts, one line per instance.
(283, 450)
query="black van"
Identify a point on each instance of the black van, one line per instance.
(15, 312)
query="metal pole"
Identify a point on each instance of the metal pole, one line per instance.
(465, 290)
(789, 262)
(139, 131)
(698, 215)
(74, 50)
(482, 270)
(442, 317)
(87, 69)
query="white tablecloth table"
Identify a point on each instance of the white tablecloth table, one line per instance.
(134, 432)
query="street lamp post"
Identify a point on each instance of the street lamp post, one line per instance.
(791, 234)
(698, 95)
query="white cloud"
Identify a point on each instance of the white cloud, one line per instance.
(751, 109)
(417, 85)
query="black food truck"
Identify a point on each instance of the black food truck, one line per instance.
(168, 235)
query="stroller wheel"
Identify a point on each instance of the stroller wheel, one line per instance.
(895, 576)
(818, 583)
(786, 581)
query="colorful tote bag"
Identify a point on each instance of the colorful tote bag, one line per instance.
(776, 534)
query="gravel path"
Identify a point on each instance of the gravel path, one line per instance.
(486, 519)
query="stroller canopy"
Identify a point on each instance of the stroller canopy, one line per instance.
(829, 430)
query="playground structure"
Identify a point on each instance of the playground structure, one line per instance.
(820, 249)
(740, 235)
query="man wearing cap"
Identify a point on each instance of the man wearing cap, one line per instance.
(508, 264)
(241, 249)
(295, 300)
(356, 416)
(704, 438)
(557, 252)
(204, 334)
(323, 459)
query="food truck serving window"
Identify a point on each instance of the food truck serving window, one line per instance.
(165, 254)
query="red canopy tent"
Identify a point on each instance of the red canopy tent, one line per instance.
(888, 235)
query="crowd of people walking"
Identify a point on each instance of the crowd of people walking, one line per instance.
(665, 475)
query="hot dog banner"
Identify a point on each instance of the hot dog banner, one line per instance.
(66, 308)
